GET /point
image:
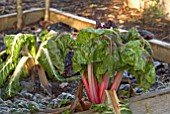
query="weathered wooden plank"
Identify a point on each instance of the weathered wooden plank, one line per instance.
(70, 19)
(161, 50)
(151, 103)
(34, 15)
(150, 95)
(30, 16)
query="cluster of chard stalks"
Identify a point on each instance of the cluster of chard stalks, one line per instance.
(94, 89)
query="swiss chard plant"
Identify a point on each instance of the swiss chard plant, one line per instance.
(22, 55)
(102, 55)
(13, 60)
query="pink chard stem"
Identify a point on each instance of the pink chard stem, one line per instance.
(117, 80)
(96, 84)
(103, 86)
(92, 84)
(86, 84)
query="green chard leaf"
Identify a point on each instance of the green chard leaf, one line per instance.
(52, 54)
(64, 44)
(47, 58)
(132, 35)
(14, 44)
(138, 62)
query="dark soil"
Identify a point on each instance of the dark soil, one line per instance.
(103, 10)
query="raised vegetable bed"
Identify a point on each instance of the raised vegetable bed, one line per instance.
(160, 52)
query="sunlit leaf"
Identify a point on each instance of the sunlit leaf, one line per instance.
(20, 70)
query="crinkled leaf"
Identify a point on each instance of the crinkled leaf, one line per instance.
(53, 53)
(146, 46)
(138, 62)
(56, 56)
(132, 35)
(91, 46)
(64, 44)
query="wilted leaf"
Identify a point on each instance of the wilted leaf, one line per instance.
(20, 70)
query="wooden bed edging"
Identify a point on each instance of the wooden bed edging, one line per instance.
(33, 15)
(74, 21)
(161, 50)
(157, 102)
(150, 95)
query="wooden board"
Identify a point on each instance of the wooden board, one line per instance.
(74, 21)
(157, 102)
(30, 16)
(161, 50)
